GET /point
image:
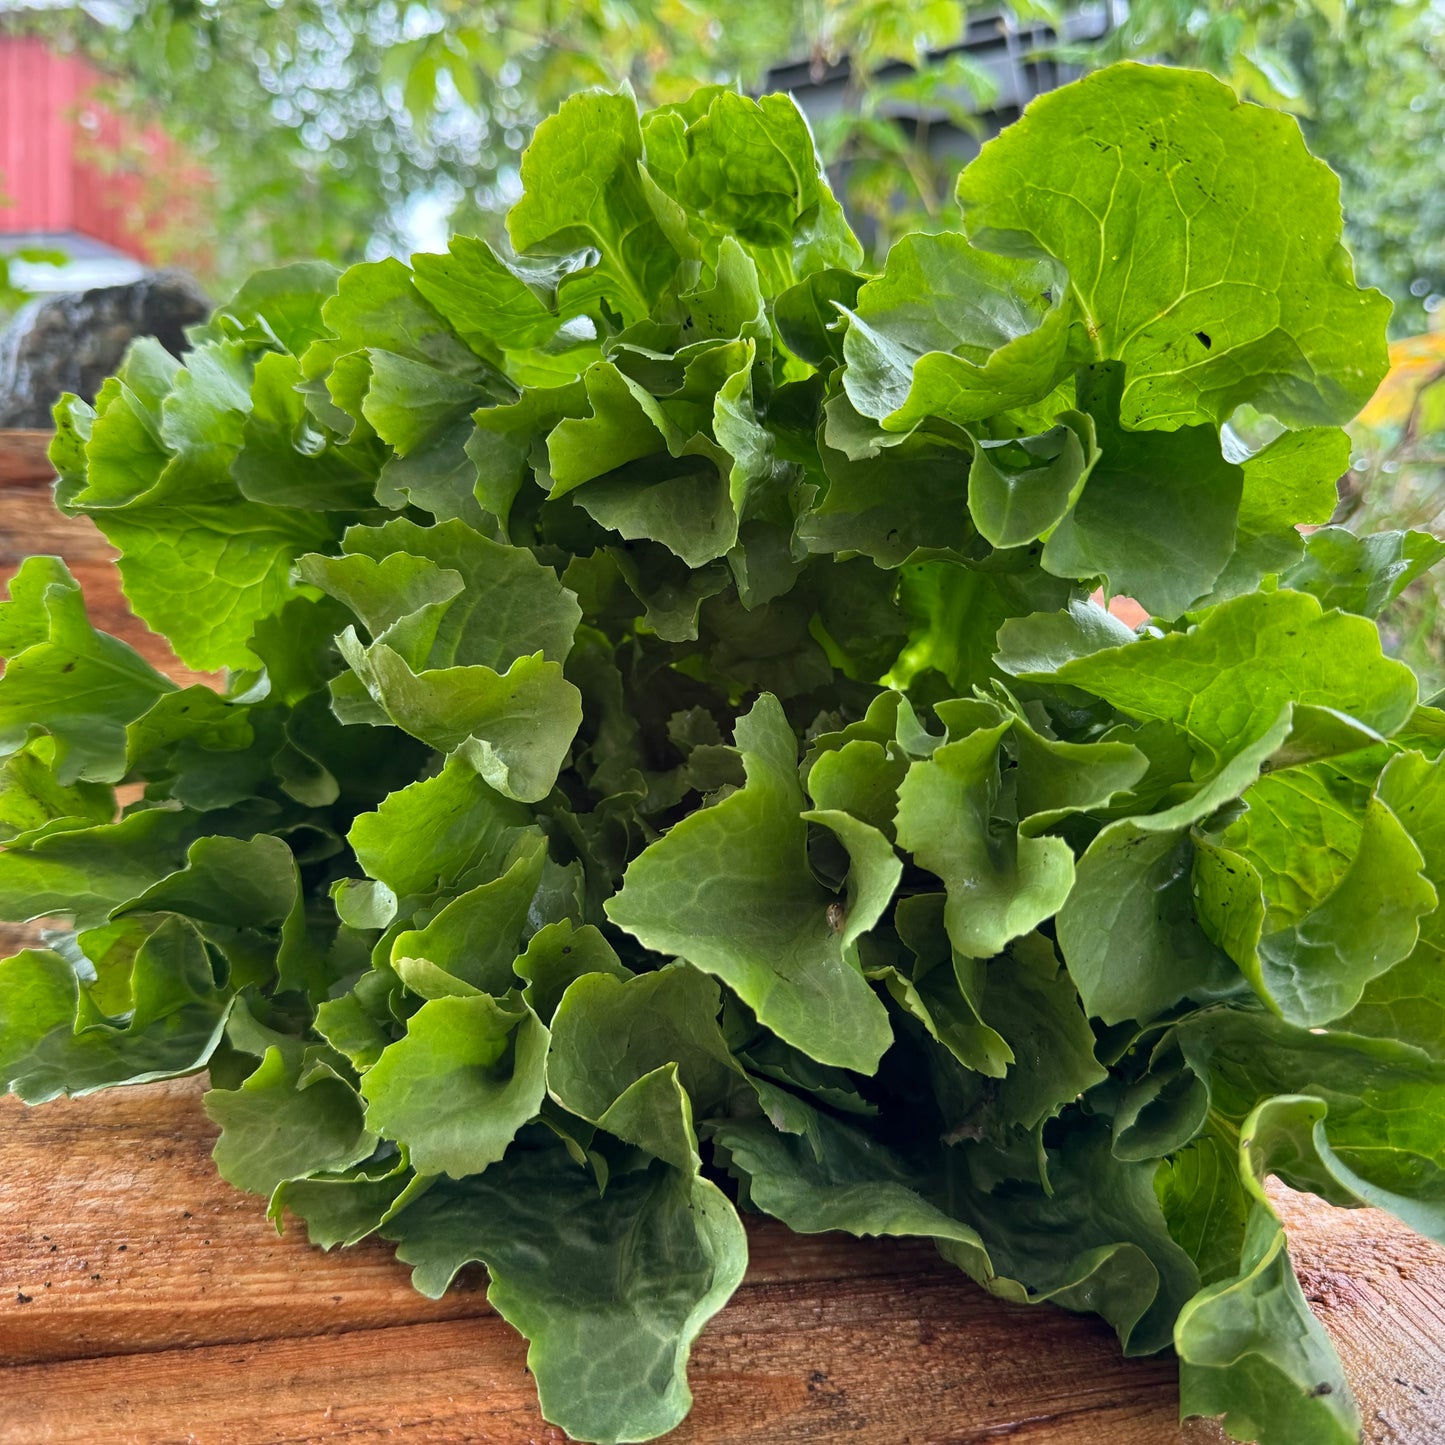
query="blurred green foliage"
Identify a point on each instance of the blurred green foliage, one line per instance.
(329, 126)
(1397, 481)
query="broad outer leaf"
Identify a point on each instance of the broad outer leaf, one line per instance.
(729, 889)
(477, 935)
(847, 1183)
(1202, 243)
(1408, 1002)
(1314, 968)
(610, 1289)
(513, 727)
(61, 675)
(1225, 679)
(1362, 574)
(1250, 1350)
(1157, 516)
(610, 1036)
(443, 833)
(1019, 490)
(581, 188)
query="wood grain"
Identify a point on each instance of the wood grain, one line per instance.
(143, 1275)
(23, 458)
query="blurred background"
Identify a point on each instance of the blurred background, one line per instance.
(222, 137)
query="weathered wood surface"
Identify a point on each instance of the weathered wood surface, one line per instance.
(142, 1300)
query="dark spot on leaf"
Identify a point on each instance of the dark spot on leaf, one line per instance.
(1204, 339)
(1323, 1388)
(69, 667)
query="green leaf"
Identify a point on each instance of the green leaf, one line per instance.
(865, 510)
(1362, 574)
(623, 1048)
(849, 1183)
(485, 301)
(344, 1207)
(1311, 963)
(1158, 513)
(748, 169)
(1094, 1240)
(207, 583)
(31, 796)
(1129, 932)
(1056, 779)
(86, 873)
(478, 603)
(442, 834)
(1000, 885)
(956, 333)
(424, 414)
(610, 1289)
(514, 727)
(729, 889)
(1293, 479)
(282, 306)
(1029, 998)
(1408, 1001)
(53, 1042)
(455, 1090)
(292, 1117)
(1251, 1351)
(505, 438)
(65, 678)
(1363, 1091)
(1225, 678)
(809, 315)
(557, 955)
(581, 187)
(286, 460)
(477, 935)
(1202, 243)
(1019, 490)
(206, 587)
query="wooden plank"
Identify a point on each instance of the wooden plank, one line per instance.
(143, 1272)
(23, 459)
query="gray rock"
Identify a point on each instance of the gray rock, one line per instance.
(72, 343)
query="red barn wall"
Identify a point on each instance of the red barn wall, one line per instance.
(69, 164)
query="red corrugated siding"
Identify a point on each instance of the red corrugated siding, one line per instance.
(38, 91)
(67, 163)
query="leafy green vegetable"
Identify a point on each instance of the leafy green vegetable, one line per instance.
(670, 752)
